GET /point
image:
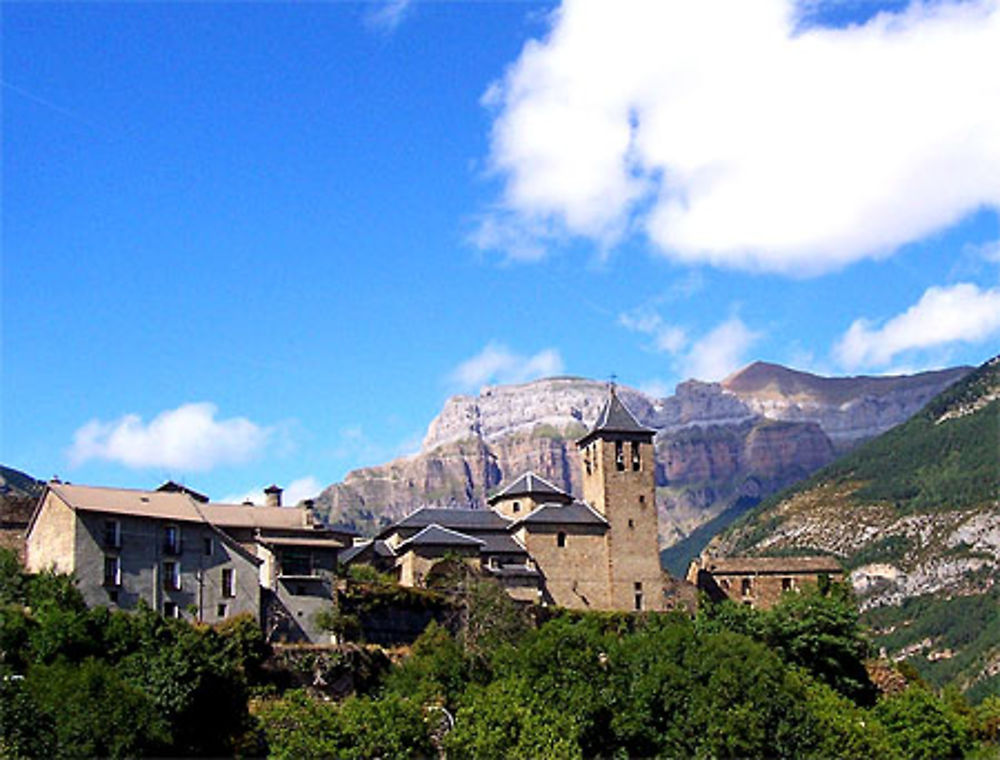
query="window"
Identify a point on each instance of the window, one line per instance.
(586, 461)
(560, 539)
(112, 571)
(517, 506)
(786, 584)
(642, 500)
(619, 456)
(171, 610)
(222, 610)
(746, 586)
(635, 456)
(207, 546)
(112, 534)
(296, 562)
(228, 582)
(638, 595)
(171, 540)
(172, 576)
(631, 523)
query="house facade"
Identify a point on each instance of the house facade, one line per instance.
(186, 557)
(760, 582)
(545, 546)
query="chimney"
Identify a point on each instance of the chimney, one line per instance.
(272, 496)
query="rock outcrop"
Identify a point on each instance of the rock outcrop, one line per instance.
(718, 444)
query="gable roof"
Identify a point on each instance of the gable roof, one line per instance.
(772, 565)
(615, 418)
(377, 547)
(455, 519)
(530, 484)
(172, 486)
(577, 513)
(436, 535)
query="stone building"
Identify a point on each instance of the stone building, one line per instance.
(187, 557)
(760, 581)
(541, 543)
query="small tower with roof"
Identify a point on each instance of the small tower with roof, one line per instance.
(618, 482)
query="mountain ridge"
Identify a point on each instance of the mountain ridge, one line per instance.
(715, 445)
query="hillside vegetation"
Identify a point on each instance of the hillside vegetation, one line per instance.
(914, 515)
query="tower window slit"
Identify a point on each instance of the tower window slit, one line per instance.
(619, 456)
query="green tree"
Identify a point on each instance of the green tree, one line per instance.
(923, 726)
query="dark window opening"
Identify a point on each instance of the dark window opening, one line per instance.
(112, 571)
(517, 506)
(112, 534)
(586, 462)
(296, 562)
(638, 585)
(171, 576)
(560, 539)
(221, 610)
(113, 596)
(171, 540)
(642, 500)
(207, 546)
(636, 464)
(619, 456)
(171, 610)
(228, 582)
(746, 586)
(786, 584)
(631, 523)
(638, 600)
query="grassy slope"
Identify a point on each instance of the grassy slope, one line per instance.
(926, 465)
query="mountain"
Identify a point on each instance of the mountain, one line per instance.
(18, 495)
(720, 447)
(915, 516)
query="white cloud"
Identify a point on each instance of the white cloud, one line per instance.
(655, 388)
(943, 315)
(496, 364)
(719, 352)
(665, 337)
(732, 137)
(188, 438)
(387, 15)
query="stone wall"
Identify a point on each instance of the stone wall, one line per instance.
(53, 536)
(576, 574)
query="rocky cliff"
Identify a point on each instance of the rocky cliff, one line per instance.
(720, 446)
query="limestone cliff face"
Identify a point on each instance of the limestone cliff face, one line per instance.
(759, 430)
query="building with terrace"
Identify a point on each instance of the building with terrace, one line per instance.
(185, 556)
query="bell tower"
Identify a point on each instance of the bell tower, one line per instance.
(618, 482)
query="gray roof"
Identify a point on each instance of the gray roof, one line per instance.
(436, 535)
(616, 418)
(531, 484)
(379, 548)
(455, 519)
(577, 513)
(500, 543)
(514, 571)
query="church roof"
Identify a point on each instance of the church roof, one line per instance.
(577, 513)
(455, 519)
(616, 418)
(530, 484)
(435, 535)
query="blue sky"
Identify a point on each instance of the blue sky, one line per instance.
(253, 243)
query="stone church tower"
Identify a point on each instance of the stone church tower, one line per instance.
(618, 482)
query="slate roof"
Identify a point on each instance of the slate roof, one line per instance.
(615, 417)
(577, 513)
(530, 484)
(455, 519)
(772, 565)
(380, 548)
(436, 535)
(500, 543)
